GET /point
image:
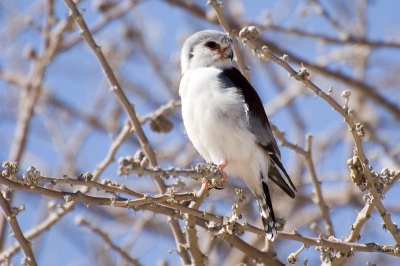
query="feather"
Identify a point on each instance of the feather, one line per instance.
(225, 120)
(259, 126)
(267, 213)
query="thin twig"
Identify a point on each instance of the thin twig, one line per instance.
(294, 257)
(107, 240)
(309, 241)
(363, 216)
(134, 168)
(114, 84)
(198, 258)
(328, 39)
(219, 9)
(319, 198)
(78, 196)
(336, 244)
(259, 256)
(347, 113)
(106, 18)
(23, 242)
(116, 88)
(29, 95)
(364, 88)
(307, 155)
(37, 230)
(233, 239)
(162, 110)
(55, 217)
(330, 18)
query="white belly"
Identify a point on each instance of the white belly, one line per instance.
(216, 123)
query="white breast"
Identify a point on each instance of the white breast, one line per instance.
(216, 123)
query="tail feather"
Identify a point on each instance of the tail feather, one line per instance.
(267, 212)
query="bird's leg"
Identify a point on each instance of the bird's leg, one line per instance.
(224, 175)
(205, 185)
(223, 165)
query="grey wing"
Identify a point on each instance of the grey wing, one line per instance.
(262, 131)
(260, 127)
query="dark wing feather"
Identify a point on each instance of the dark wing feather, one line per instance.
(259, 126)
(275, 172)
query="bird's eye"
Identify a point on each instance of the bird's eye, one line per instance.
(212, 45)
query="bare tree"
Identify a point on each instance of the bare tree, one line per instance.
(109, 132)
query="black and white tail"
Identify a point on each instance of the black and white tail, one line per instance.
(264, 201)
(267, 212)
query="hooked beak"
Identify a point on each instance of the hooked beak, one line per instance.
(228, 53)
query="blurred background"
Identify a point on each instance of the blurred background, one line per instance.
(57, 114)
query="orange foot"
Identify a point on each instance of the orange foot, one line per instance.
(224, 175)
(205, 185)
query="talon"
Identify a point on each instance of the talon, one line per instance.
(223, 183)
(224, 175)
(204, 184)
(220, 187)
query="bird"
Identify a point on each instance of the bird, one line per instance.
(225, 120)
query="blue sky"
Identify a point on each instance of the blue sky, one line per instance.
(76, 78)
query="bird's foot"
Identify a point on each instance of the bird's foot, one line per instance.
(224, 175)
(205, 185)
(223, 165)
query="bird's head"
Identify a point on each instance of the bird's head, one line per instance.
(208, 48)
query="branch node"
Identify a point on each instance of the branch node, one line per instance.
(330, 90)
(284, 57)
(303, 73)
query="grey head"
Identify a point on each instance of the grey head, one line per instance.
(207, 48)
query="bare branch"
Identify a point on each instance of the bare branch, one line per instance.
(191, 233)
(364, 88)
(10, 214)
(327, 39)
(219, 9)
(104, 236)
(346, 112)
(363, 216)
(115, 87)
(319, 198)
(307, 155)
(55, 217)
(51, 124)
(116, 12)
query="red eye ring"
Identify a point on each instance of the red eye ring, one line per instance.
(212, 45)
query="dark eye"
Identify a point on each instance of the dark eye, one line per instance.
(211, 45)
